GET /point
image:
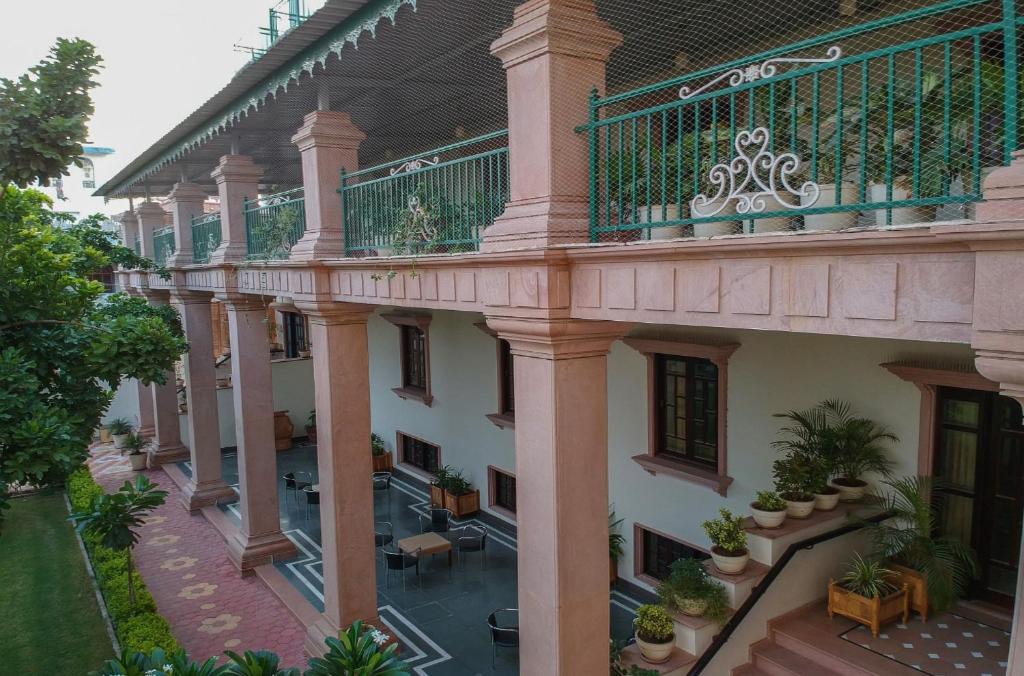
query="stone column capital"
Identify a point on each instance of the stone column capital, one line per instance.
(331, 313)
(187, 192)
(181, 296)
(566, 27)
(235, 169)
(150, 211)
(330, 128)
(1000, 358)
(241, 302)
(558, 339)
(1004, 193)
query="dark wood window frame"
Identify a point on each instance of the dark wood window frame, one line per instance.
(716, 478)
(400, 441)
(421, 322)
(296, 333)
(505, 417)
(493, 491)
(640, 568)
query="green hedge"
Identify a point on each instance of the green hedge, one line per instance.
(140, 628)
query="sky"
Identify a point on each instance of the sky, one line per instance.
(162, 60)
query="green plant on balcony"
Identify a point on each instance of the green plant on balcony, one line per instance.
(690, 589)
(377, 445)
(729, 539)
(794, 475)
(360, 649)
(655, 633)
(274, 235)
(646, 176)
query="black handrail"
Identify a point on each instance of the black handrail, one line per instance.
(808, 543)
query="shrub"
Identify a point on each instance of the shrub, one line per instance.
(654, 624)
(82, 489)
(144, 632)
(727, 533)
(769, 501)
(689, 580)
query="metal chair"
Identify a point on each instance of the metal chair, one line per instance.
(383, 534)
(295, 481)
(439, 521)
(401, 561)
(503, 634)
(382, 484)
(312, 498)
(471, 539)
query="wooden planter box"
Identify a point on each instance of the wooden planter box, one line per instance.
(436, 496)
(283, 429)
(613, 571)
(917, 588)
(872, 612)
(383, 463)
(462, 505)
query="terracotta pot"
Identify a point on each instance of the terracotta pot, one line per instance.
(730, 565)
(655, 653)
(799, 509)
(827, 198)
(851, 490)
(691, 607)
(283, 428)
(826, 502)
(119, 440)
(766, 519)
(138, 461)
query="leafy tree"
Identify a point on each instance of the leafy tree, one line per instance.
(63, 349)
(112, 517)
(44, 113)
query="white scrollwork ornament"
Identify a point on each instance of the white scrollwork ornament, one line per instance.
(754, 175)
(413, 165)
(754, 72)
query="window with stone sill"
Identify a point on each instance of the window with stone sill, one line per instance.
(687, 398)
(418, 453)
(502, 490)
(414, 351)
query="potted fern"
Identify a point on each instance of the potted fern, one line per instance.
(135, 445)
(729, 539)
(793, 480)
(769, 509)
(936, 569)
(119, 431)
(692, 591)
(808, 434)
(655, 633)
(616, 544)
(860, 446)
(866, 594)
(459, 495)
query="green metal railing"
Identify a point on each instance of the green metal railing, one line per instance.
(824, 133)
(279, 22)
(439, 201)
(205, 236)
(163, 244)
(274, 223)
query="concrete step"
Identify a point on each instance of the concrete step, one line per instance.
(738, 587)
(694, 634)
(678, 663)
(748, 670)
(775, 660)
(767, 545)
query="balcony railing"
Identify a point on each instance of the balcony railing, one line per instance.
(823, 134)
(274, 223)
(436, 202)
(163, 244)
(282, 17)
(205, 236)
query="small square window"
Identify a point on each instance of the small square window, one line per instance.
(502, 490)
(419, 453)
(658, 552)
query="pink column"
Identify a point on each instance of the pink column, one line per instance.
(554, 54)
(151, 217)
(206, 486)
(237, 178)
(342, 385)
(147, 426)
(259, 539)
(328, 141)
(166, 446)
(186, 201)
(129, 228)
(562, 491)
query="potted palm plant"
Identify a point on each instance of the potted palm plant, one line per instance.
(936, 568)
(808, 434)
(794, 479)
(439, 485)
(769, 509)
(729, 540)
(616, 544)
(860, 446)
(692, 591)
(135, 445)
(381, 456)
(655, 633)
(119, 431)
(865, 594)
(459, 495)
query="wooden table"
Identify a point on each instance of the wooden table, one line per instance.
(427, 543)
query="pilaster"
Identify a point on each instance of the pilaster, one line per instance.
(186, 201)
(554, 54)
(151, 217)
(237, 178)
(166, 446)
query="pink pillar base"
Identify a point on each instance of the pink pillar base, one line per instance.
(165, 456)
(247, 552)
(194, 497)
(538, 222)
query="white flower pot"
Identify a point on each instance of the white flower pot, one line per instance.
(714, 228)
(851, 493)
(766, 519)
(119, 440)
(799, 509)
(138, 461)
(773, 224)
(691, 607)
(655, 653)
(664, 232)
(826, 502)
(730, 565)
(827, 198)
(902, 215)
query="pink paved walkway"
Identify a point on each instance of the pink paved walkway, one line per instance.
(184, 561)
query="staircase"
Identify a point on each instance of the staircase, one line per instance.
(694, 635)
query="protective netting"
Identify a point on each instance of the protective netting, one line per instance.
(740, 117)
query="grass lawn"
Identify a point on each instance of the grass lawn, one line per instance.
(48, 611)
